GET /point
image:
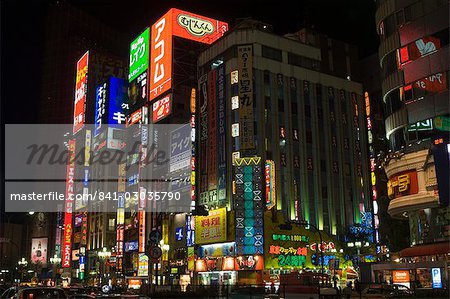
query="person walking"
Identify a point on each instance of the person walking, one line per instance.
(347, 292)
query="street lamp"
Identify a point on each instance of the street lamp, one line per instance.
(22, 264)
(55, 260)
(103, 255)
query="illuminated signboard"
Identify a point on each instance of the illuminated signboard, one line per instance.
(182, 24)
(245, 87)
(249, 262)
(110, 104)
(39, 251)
(424, 125)
(131, 246)
(294, 238)
(137, 93)
(400, 276)
(80, 93)
(249, 206)
(139, 49)
(269, 174)
(143, 265)
(141, 231)
(195, 27)
(161, 56)
(190, 230)
(117, 96)
(217, 250)
(67, 240)
(211, 228)
(289, 256)
(436, 278)
(100, 107)
(162, 108)
(403, 184)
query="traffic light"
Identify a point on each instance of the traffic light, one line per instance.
(285, 226)
(302, 222)
(200, 211)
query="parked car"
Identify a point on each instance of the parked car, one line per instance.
(34, 292)
(387, 291)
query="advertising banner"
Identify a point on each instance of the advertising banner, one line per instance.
(162, 108)
(141, 231)
(221, 135)
(143, 265)
(67, 240)
(269, 176)
(139, 50)
(211, 228)
(400, 276)
(249, 205)
(212, 131)
(195, 27)
(39, 251)
(217, 250)
(182, 24)
(246, 119)
(80, 93)
(161, 56)
(403, 184)
(203, 103)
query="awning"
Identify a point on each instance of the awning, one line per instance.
(422, 250)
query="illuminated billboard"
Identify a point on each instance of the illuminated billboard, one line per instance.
(139, 49)
(195, 27)
(67, 244)
(211, 228)
(182, 24)
(80, 93)
(162, 108)
(39, 251)
(110, 104)
(161, 56)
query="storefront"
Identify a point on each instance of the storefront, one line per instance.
(299, 249)
(215, 264)
(419, 267)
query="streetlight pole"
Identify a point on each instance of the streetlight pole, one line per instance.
(55, 261)
(22, 263)
(104, 255)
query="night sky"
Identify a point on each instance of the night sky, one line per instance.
(22, 31)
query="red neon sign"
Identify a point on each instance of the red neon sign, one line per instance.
(182, 24)
(67, 244)
(80, 93)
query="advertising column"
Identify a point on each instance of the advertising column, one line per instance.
(249, 208)
(246, 119)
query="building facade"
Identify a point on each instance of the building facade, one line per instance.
(414, 60)
(276, 136)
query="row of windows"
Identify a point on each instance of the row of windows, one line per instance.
(293, 59)
(422, 47)
(390, 25)
(416, 91)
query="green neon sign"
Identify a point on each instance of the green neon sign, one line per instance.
(139, 50)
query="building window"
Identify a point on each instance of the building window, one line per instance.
(307, 111)
(294, 108)
(308, 137)
(271, 53)
(280, 105)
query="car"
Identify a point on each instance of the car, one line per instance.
(81, 296)
(387, 291)
(34, 292)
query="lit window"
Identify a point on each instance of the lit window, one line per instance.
(404, 55)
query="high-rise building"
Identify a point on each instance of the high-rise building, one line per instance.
(278, 140)
(69, 32)
(414, 60)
